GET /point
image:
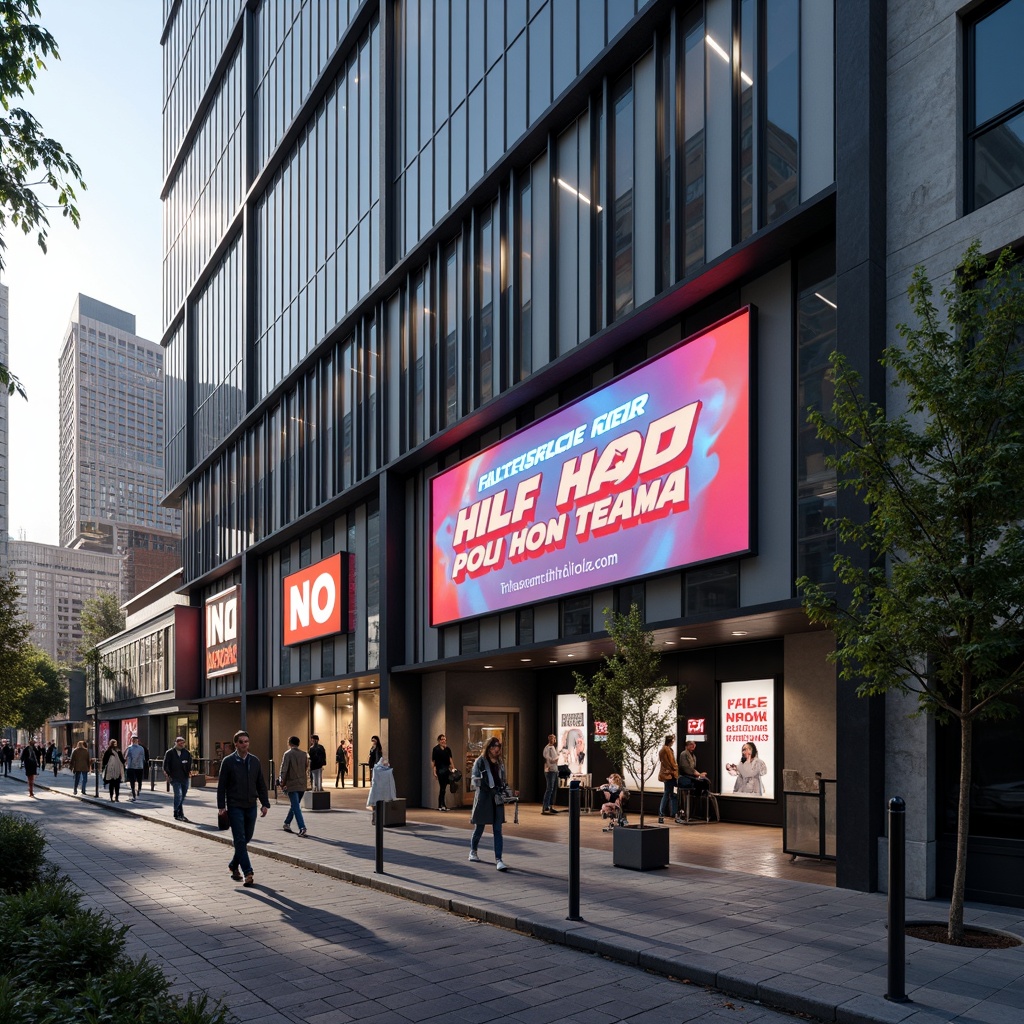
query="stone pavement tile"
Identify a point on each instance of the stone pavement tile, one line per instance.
(329, 1017)
(864, 1009)
(745, 979)
(804, 995)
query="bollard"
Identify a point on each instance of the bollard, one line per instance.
(574, 851)
(896, 987)
(378, 817)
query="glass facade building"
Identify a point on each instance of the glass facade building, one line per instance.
(397, 234)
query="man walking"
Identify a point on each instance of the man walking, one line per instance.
(292, 779)
(135, 766)
(80, 762)
(441, 756)
(317, 760)
(178, 769)
(239, 786)
(7, 757)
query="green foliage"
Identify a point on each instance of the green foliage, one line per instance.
(101, 618)
(937, 609)
(46, 692)
(29, 160)
(626, 692)
(66, 965)
(14, 650)
(24, 847)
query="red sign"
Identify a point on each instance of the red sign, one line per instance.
(221, 639)
(695, 727)
(318, 600)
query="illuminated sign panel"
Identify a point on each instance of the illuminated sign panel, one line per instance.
(221, 635)
(648, 473)
(317, 600)
(747, 716)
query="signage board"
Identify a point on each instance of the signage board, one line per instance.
(220, 638)
(747, 716)
(647, 473)
(318, 600)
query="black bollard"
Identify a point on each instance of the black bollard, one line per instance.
(897, 975)
(574, 851)
(378, 817)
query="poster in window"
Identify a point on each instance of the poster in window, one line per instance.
(572, 732)
(748, 738)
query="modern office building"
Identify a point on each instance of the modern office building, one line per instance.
(111, 438)
(54, 583)
(483, 318)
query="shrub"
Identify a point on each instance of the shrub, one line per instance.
(24, 846)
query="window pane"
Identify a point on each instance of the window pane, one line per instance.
(622, 242)
(998, 69)
(783, 107)
(999, 161)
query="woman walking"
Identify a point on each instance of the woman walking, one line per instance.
(488, 782)
(113, 770)
(292, 779)
(30, 766)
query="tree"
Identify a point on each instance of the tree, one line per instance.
(939, 611)
(101, 618)
(627, 693)
(29, 160)
(14, 649)
(46, 692)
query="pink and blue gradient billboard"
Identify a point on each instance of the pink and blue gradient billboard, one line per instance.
(646, 474)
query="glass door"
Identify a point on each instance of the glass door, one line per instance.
(479, 726)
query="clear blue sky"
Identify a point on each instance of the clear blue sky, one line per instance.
(102, 102)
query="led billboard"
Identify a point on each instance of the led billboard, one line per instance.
(648, 473)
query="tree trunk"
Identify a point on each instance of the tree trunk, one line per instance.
(963, 818)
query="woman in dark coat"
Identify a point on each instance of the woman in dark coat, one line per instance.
(30, 766)
(488, 780)
(113, 770)
(376, 753)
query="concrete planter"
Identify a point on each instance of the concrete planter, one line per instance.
(394, 812)
(315, 801)
(640, 849)
(197, 781)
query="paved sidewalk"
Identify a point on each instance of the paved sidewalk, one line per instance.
(805, 948)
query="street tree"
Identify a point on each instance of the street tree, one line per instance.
(628, 694)
(46, 691)
(101, 618)
(36, 173)
(937, 608)
(14, 650)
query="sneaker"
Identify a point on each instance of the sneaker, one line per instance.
(501, 866)
(473, 855)
(443, 809)
(302, 831)
(286, 828)
(248, 883)
(184, 819)
(679, 820)
(661, 820)
(235, 873)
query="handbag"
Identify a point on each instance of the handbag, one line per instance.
(454, 778)
(505, 795)
(564, 772)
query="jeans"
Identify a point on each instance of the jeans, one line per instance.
(316, 776)
(498, 842)
(442, 785)
(81, 780)
(295, 811)
(243, 825)
(135, 777)
(667, 807)
(551, 783)
(180, 788)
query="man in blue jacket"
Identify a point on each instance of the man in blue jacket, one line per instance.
(239, 786)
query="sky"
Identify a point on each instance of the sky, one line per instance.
(102, 102)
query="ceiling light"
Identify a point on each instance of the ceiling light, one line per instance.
(687, 638)
(488, 666)
(670, 643)
(828, 302)
(552, 661)
(570, 655)
(525, 659)
(739, 632)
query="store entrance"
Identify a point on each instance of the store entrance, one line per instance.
(478, 726)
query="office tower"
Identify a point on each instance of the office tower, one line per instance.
(111, 439)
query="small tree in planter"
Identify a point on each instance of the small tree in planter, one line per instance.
(627, 693)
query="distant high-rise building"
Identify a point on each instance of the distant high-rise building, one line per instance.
(4, 519)
(111, 446)
(53, 584)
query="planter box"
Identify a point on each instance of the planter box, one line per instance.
(197, 781)
(316, 801)
(394, 812)
(641, 849)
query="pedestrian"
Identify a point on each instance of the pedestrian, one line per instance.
(79, 764)
(441, 756)
(135, 766)
(376, 753)
(668, 773)
(53, 757)
(488, 783)
(382, 787)
(113, 770)
(178, 769)
(30, 765)
(341, 760)
(550, 755)
(292, 779)
(6, 757)
(240, 785)
(317, 760)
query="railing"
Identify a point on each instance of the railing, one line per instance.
(809, 821)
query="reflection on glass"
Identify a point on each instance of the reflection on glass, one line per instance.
(451, 340)
(999, 161)
(748, 110)
(783, 101)
(485, 371)
(622, 230)
(525, 367)
(693, 140)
